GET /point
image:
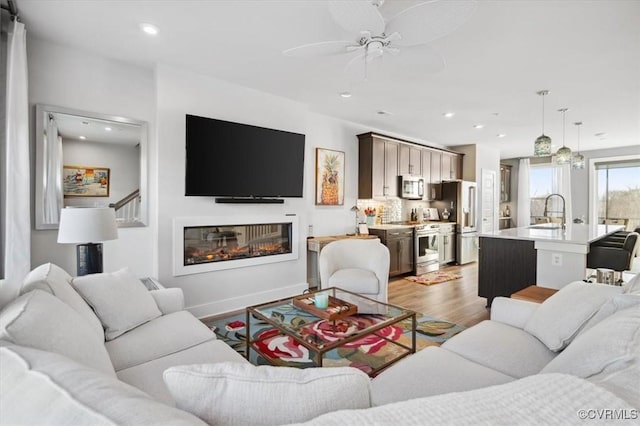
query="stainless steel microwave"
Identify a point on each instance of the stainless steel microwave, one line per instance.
(411, 187)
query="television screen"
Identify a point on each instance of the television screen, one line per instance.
(238, 160)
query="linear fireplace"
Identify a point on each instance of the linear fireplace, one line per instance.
(218, 243)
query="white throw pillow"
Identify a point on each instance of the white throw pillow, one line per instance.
(559, 318)
(119, 299)
(609, 346)
(55, 280)
(40, 388)
(40, 320)
(633, 286)
(233, 393)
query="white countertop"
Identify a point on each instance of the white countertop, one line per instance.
(406, 225)
(574, 234)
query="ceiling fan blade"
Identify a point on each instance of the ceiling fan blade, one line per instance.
(323, 48)
(428, 21)
(357, 16)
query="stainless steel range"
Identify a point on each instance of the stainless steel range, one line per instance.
(426, 248)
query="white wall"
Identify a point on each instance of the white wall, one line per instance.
(75, 79)
(181, 92)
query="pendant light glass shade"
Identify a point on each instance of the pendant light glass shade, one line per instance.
(542, 145)
(563, 156)
(577, 161)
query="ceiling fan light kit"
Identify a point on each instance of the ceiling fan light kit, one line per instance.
(563, 156)
(542, 145)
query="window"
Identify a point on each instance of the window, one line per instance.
(618, 192)
(544, 180)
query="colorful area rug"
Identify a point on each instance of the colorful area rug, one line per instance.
(367, 354)
(435, 277)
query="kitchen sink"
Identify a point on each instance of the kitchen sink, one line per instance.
(549, 226)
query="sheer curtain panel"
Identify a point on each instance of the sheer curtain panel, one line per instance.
(523, 217)
(17, 207)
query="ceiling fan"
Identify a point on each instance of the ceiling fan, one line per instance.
(375, 36)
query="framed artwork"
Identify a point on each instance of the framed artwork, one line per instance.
(329, 177)
(85, 181)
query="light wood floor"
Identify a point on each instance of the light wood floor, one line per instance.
(455, 301)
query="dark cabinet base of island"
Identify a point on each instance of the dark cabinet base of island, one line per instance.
(505, 266)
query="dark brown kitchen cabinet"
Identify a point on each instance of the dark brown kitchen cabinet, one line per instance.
(410, 160)
(377, 167)
(400, 243)
(505, 183)
(451, 168)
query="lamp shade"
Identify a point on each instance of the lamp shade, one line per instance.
(87, 225)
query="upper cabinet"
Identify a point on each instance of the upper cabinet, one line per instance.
(451, 166)
(382, 159)
(505, 183)
(377, 167)
(410, 160)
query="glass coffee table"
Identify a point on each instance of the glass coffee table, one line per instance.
(377, 335)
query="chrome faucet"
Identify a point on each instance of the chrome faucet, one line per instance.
(564, 211)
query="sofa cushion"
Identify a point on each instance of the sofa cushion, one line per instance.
(40, 320)
(501, 347)
(608, 346)
(162, 336)
(432, 371)
(356, 280)
(40, 387)
(617, 303)
(559, 318)
(541, 399)
(55, 280)
(233, 393)
(119, 299)
(148, 376)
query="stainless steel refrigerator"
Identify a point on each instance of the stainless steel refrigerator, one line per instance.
(460, 199)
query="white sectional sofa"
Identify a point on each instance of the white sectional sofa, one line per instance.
(136, 357)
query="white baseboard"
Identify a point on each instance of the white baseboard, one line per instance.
(221, 307)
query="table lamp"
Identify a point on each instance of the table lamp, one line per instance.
(87, 226)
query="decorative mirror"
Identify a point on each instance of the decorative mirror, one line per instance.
(86, 159)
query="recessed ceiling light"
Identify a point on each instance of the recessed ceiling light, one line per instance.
(449, 114)
(149, 28)
(108, 129)
(345, 94)
(82, 137)
(501, 135)
(478, 126)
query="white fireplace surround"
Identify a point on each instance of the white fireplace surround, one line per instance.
(179, 223)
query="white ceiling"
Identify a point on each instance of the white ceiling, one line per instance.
(587, 53)
(72, 127)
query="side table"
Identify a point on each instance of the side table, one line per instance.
(535, 294)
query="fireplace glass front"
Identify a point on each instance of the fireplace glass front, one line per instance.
(207, 244)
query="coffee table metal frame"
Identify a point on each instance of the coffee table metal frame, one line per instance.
(319, 350)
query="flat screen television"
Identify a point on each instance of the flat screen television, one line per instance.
(226, 159)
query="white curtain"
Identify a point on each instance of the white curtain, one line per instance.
(562, 186)
(523, 217)
(52, 193)
(17, 209)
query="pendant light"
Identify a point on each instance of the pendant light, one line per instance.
(563, 156)
(542, 145)
(577, 162)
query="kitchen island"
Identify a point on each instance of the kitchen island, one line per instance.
(543, 254)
